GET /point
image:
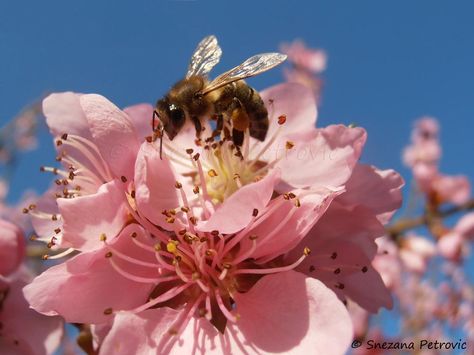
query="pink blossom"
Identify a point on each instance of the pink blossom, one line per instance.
(423, 157)
(23, 331)
(306, 63)
(425, 151)
(87, 196)
(201, 245)
(453, 189)
(306, 78)
(314, 60)
(453, 244)
(344, 239)
(387, 262)
(465, 226)
(416, 251)
(12, 247)
(426, 129)
(360, 320)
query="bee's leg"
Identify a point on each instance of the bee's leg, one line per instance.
(227, 135)
(237, 137)
(219, 125)
(240, 121)
(197, 125)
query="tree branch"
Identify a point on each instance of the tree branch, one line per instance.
(406, 224)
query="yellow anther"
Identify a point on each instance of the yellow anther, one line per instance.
(212, 173)
(172, 246)
(210, 252)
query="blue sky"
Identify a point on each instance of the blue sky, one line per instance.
(389, 62)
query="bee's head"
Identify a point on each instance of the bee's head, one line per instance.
(172, 117)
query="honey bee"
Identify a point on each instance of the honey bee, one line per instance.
(235, 106)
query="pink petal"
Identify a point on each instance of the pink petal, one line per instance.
(304, 58)
(35, 333)
(306, 320)
(100, 331)
(296, 102)
(450, 246)
(44, 227)
(85, 218)
(113, 134)
(419, 245)
(82, 288)
(368, 290)
(328, 159)
(465, 225)
(235, 213)
(124, 338)
(360, 319)
(155, 182)
(413, 261)
(379, 190)
(424, 175)
(291, 313)
(360, 282)
(387, 262)
(287, 233)
(427, 152)
(426, 128)
(12, 247)
(357, 225)
(141, 116)
(305, 78)
(64, 114)
(198, 336)
(454, 189)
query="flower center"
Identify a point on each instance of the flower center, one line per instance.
(201, 271)
(228, 169)
(224, 167)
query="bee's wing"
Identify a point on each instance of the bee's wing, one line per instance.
(205, 57)
(252, 66)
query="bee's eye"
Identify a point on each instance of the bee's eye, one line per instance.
(176, 115)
